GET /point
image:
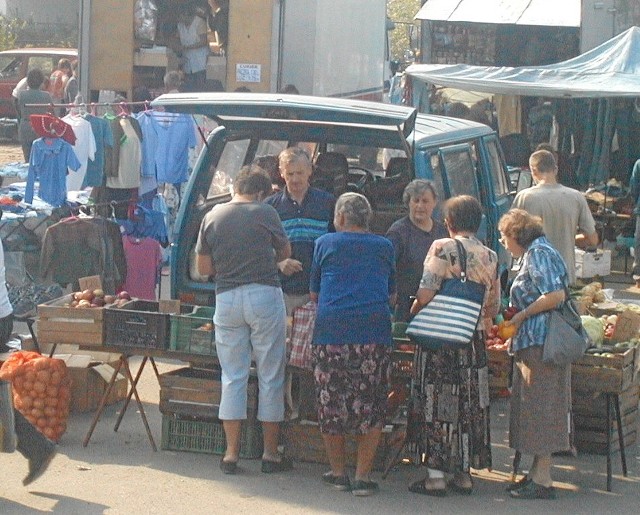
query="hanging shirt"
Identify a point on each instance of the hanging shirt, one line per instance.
(48, 163)
(171, 135)
(104, 138)
(130, 157)
(144, 256)
(85, 149)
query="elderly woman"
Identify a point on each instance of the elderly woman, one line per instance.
(453, 396)
(411, 237)
(352, 279)
(541, 395)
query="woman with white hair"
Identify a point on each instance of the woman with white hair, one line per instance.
(352, 279)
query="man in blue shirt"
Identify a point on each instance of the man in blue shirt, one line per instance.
(306, 214)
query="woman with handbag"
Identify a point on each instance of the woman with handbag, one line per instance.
(453, 392)
(352, 280)
(541, 393)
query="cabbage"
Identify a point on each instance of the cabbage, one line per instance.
(594, 329)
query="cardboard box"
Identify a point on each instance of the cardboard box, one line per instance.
(89, 380)
(627, 327)
(591, 264)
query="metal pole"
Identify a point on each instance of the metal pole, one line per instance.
(84, 48)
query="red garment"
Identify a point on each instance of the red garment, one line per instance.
(144, 256)
(49, 126)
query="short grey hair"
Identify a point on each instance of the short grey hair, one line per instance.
(172, 80)
(355, 208)
(416, 188)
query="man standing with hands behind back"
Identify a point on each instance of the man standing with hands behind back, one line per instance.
(306, 214)
(566, 218)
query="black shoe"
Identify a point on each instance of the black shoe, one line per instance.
(518, 484)
(269, 467)
(341, 483)
(228, 467)
(533, 490)
(38, 465)
(364, 488)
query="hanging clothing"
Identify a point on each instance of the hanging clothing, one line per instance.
(80, 247)
(85, 149)
(146, 223)
(144, 256)
(130, 156)
(166, 154)
(104, 138)
(48, 163)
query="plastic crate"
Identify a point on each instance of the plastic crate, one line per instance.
(207, 436)
(186, 335)
(138, 325)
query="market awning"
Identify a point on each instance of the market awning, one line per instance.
(609, 70)
(551, 13)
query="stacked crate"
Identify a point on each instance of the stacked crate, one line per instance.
(189, 403)
(594, 377)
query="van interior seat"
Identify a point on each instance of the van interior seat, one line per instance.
(389, 189)
(331, 171)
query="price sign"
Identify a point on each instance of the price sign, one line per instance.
(248, 72)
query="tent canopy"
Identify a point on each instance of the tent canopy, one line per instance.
(609, 70)
(552, 13)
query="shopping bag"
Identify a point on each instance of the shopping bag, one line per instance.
(566, 339)
(451, 317)
(7, 421)
(304, 319)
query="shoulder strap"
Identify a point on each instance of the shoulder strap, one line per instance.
(462, 255)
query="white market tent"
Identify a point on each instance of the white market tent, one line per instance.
(609, 70)
(553, 13)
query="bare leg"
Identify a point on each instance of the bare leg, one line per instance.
(270, 434)
(335, 446)
(367, 446)
(541, 474)
(232, 430)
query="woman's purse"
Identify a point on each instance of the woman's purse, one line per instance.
(450, 319)
(566, 339)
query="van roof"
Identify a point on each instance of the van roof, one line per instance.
(317, 118)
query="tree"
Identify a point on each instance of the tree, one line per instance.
(401, 12)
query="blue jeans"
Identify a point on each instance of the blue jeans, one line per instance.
(251, 318)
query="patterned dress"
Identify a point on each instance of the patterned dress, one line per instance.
(451, 397)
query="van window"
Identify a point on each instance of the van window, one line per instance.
(44, 63)
(460, 170)
(270, 147)
(10, 67)
(232, 158)
(500, 185)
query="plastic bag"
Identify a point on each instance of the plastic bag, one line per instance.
(145, 17)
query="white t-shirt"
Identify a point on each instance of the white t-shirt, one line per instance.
(85, 149)
(19, 87)
(196, 58)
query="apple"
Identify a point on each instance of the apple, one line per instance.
(77, 295)
(87, 295)
(98, 302)
(124, 295)
(84, 304)
(109, 299)
(98, 292)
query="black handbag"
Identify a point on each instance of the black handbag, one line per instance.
(451, 317)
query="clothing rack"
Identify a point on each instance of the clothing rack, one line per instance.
(122, 104)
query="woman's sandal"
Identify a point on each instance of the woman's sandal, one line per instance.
(420, 487)
(455, 486)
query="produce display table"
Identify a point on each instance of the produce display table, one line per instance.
(148, 355)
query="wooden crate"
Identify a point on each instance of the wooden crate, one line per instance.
(499, 363)
(59, 323)
(196, 393)
(593, 404)
(610, 374)
(303, 442)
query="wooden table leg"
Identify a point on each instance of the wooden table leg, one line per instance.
(134, 385)
(623, 454)
(609, 436)
(103, 401)
(155, 368)
(140, 406)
